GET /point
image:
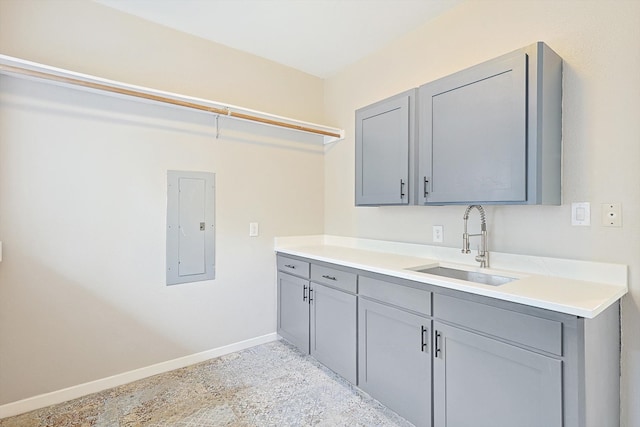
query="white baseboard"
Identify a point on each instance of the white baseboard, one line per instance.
(59, 396)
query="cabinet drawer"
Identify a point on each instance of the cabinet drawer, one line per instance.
(293, 266)
(510, 325)
(402, 296)
(335, 278)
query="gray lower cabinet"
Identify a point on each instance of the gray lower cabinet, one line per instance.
(317, 313)
(445, 358)
(333, 330)
(395, 359)
(293, 310)
(483, 382)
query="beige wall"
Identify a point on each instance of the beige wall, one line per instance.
(83, 196)
(86, 37)
(600, 44)
(82, 190)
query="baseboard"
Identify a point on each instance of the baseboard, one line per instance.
(59, 396)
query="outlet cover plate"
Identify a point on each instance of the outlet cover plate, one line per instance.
(438, 233)
(612, 215)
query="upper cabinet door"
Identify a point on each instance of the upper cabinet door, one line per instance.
(493, 133)
(473, 145)
(384, 138)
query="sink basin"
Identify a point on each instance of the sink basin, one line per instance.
(469, 276)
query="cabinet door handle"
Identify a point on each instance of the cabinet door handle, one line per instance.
(402, 189)
(438, 349)
(329, 277)
(310, 290)
(423, 338)
(426, 183)
(290, 266)
(304, 293)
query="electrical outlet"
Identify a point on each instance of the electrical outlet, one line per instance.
(612, 214)
(438, 233)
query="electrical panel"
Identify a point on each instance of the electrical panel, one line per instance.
(190, 226)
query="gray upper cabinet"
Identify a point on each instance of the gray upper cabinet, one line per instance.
(492, 133)
(385, 133)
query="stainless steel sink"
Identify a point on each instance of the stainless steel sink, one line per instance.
(469, 276)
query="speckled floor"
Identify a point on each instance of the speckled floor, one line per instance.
(268, 385)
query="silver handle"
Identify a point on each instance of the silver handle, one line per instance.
(438, 349)
(402, 189)
(304, 293)
(426, 182)
(329, 277)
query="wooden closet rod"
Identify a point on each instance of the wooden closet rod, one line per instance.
(158, 98)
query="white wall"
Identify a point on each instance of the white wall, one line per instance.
(600, 44)
(83, 196)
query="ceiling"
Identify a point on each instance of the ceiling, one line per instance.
(319, 37)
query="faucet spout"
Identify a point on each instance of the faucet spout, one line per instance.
(483, 251)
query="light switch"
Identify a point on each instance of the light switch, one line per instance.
(253, 229)
(581, 213)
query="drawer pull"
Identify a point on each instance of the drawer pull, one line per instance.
(423, 337)
(326, 276)
(290, 266)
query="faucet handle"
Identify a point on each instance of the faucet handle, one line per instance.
(482, 258)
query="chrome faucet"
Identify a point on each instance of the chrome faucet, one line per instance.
(483, 252)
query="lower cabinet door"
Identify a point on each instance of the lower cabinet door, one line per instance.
(482, 382)
(395, 359)
(333, 330)
(293, 310)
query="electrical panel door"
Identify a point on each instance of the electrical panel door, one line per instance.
(190, 226)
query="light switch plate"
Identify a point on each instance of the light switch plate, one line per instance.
(581, 213)
(253, 229)
(612, 214)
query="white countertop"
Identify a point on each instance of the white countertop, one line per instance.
(535, 288)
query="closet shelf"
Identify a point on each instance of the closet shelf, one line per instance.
(19, 67)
